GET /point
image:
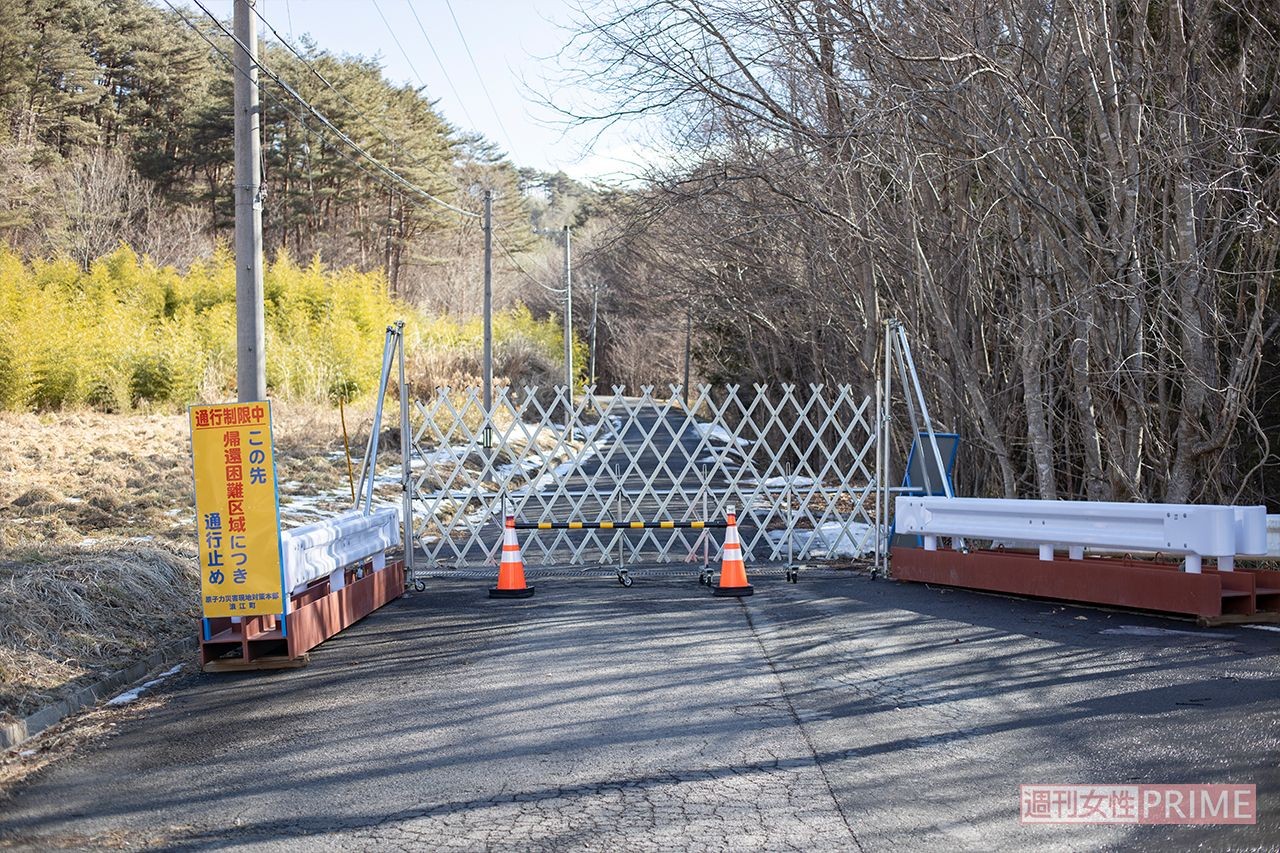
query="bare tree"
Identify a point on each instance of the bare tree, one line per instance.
(1073, 206)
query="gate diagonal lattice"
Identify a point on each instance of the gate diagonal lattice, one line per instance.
(794, 463)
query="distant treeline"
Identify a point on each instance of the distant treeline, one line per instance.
(116, 125)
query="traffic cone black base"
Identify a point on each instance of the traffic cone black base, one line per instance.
(735, 591)
(494, 592)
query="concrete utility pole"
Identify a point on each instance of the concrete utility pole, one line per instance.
(595, 304)
(568, 326)
(488, 305)
(688, 348)
(251, 370)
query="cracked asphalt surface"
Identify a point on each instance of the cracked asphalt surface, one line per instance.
(837, 714)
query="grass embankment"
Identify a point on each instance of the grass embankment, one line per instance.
(97, 538)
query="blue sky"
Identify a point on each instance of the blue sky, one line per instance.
(511, 41)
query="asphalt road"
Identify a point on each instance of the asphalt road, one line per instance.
(836, 714)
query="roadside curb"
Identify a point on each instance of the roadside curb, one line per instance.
(14, 734)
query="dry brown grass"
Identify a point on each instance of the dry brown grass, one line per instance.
(97, 537)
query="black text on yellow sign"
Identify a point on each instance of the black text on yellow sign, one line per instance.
(237, 510)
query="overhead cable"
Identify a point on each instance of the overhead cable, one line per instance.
(395, 176)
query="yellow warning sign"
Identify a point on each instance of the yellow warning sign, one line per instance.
(237, 510)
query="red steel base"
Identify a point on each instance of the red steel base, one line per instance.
(1242, 595)
(315, 615)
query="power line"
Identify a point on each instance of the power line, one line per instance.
(383, 173)
(396, 39)
(480, 77)
(306, 105)
(310, 66)
(324, 141)
(461, 103)
(522, 270)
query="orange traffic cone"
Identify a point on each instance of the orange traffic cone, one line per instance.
(511, 570)
(733, 574)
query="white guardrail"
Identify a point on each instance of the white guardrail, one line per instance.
(1194, 531)
(329, 546)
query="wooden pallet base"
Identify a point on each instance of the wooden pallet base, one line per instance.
(315, 615)
(1245, 595)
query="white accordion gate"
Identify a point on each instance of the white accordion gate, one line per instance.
(795, 463)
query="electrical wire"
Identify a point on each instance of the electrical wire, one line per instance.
(370, 123)
(523, 271)
(306, 105)
(383, 172)
(474, 67)
(396, 177)
(461, 103)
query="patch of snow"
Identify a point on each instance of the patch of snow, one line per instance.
(715, 432)
(132, 695)
(588, 432)
(832, 539)
(525, 467)
(779, 483)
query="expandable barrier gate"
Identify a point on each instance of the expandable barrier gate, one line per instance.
(615, 479)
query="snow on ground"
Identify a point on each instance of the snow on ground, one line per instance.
(779, 483)
(525, 468)
(715, 432)
(833, 539)
(132, 695)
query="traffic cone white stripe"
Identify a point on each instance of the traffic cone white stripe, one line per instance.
(511, 581)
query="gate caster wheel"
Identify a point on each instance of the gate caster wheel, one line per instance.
(625, 580)
(793, 575)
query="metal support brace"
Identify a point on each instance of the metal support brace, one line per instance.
(370, 461)
(406, 461)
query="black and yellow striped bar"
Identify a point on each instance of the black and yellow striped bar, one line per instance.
(624, 525)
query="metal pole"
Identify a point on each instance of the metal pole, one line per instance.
(406, 462)
(595, 301)
(488, 304)
(371, 460)
(568, 330)
(924, 412)
(886, 437)
(251, 371)
(880, 510)
(786, 495)
(706, 538)
(688, 350)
